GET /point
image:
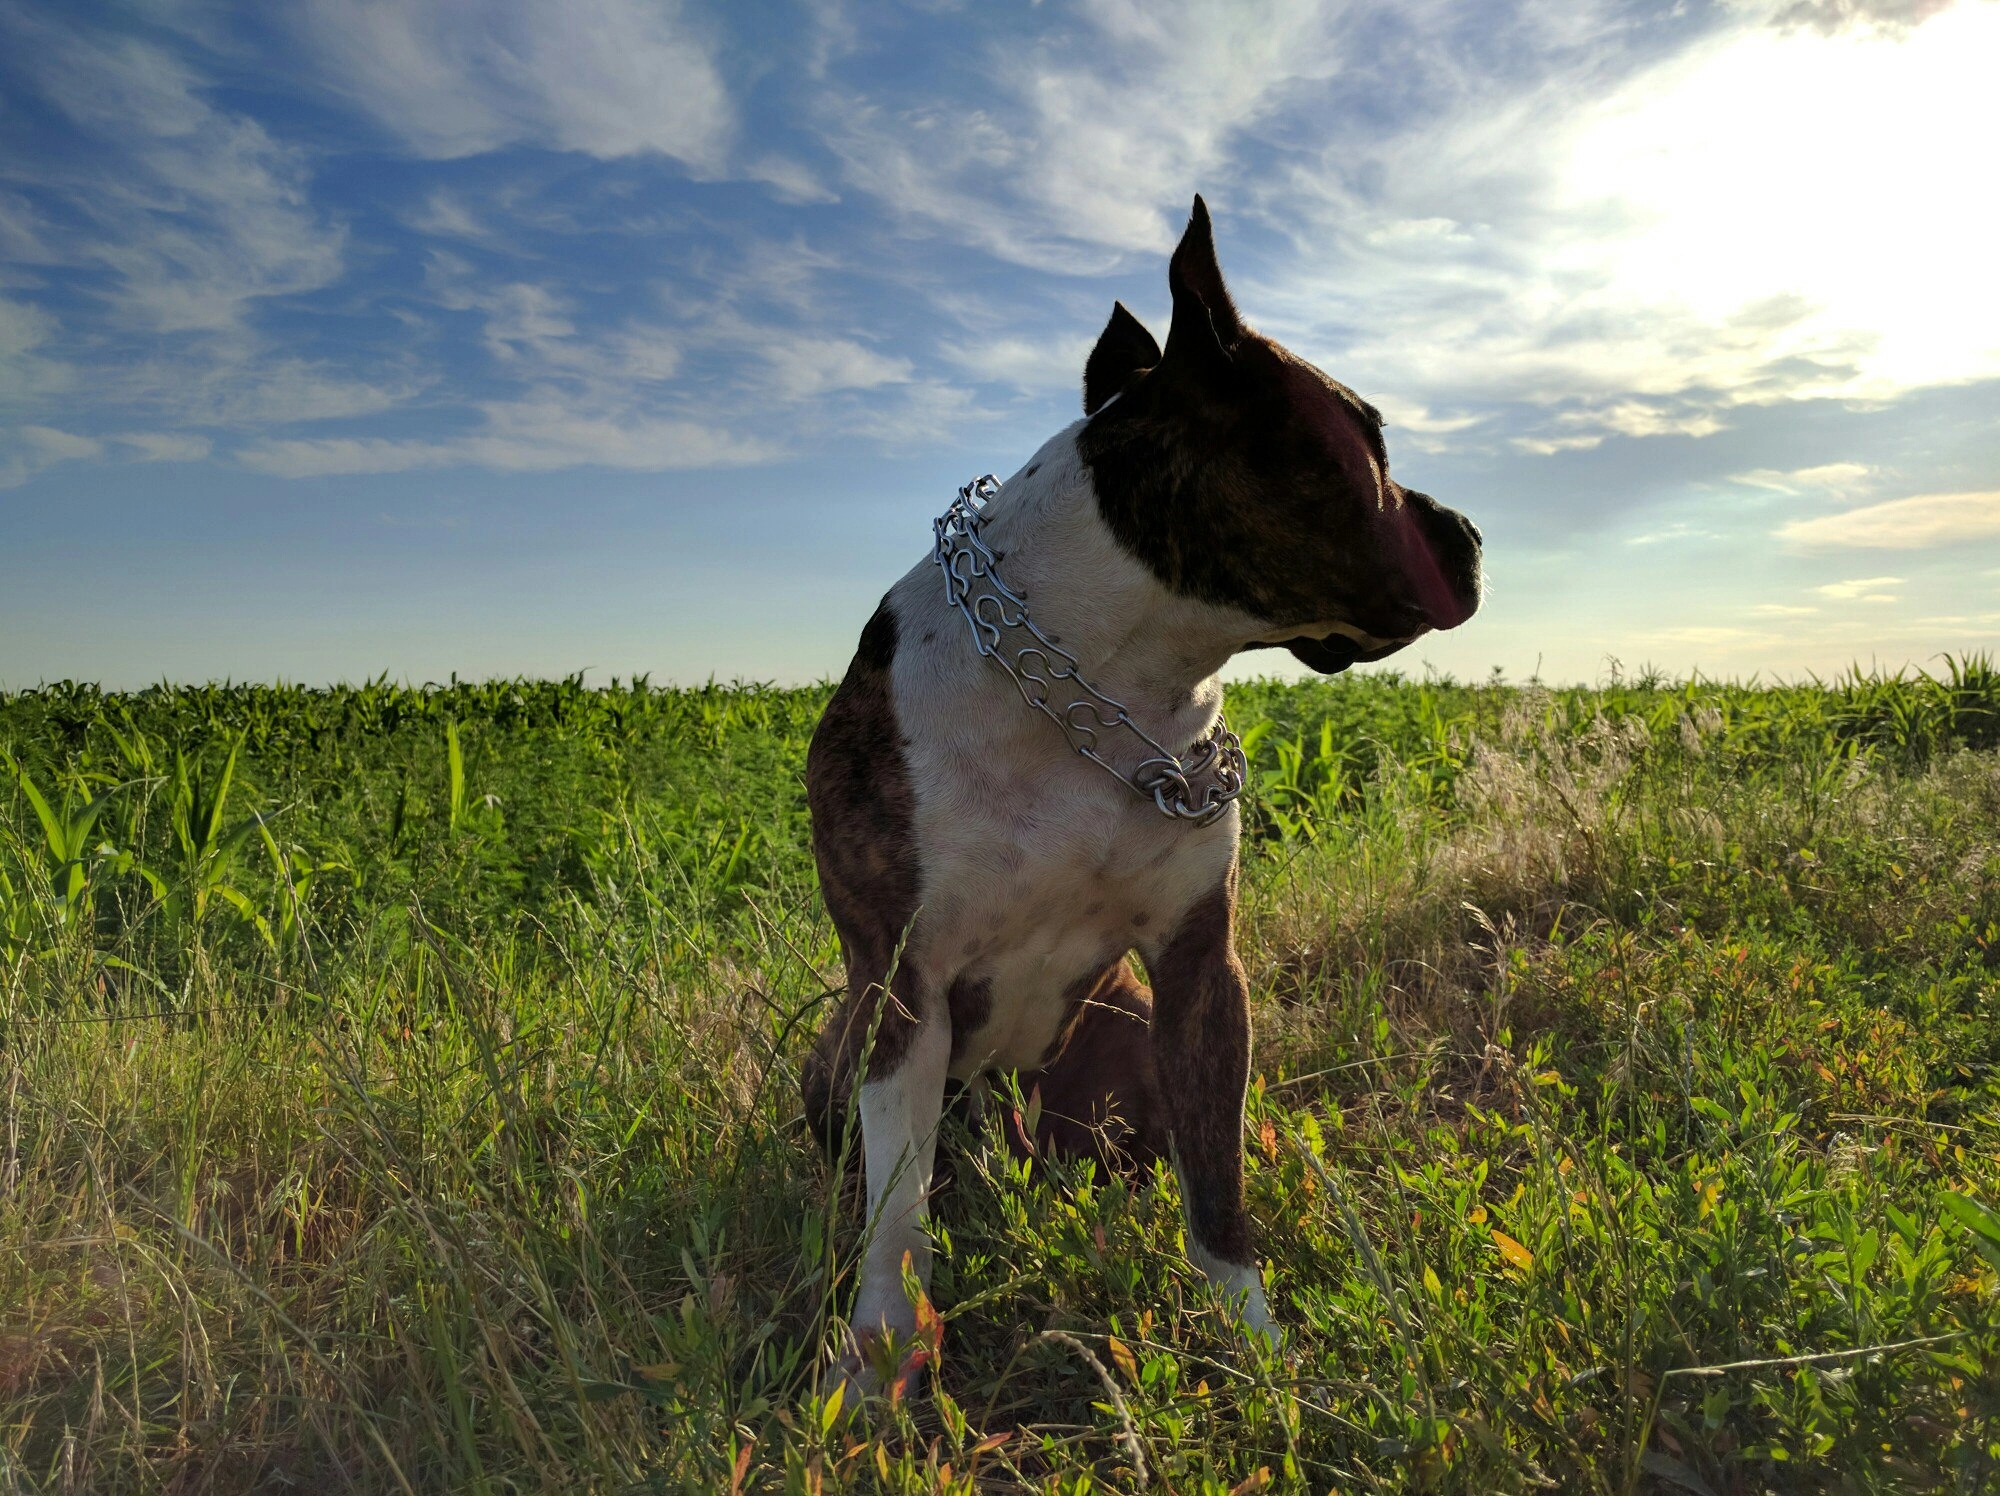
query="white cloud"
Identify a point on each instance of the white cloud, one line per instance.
(541, 432)
(31, 449)
(165, 446)
(1828, 477)
(1782, 610)
(1861, 590)
(804, 367)
(1031, 364)
(1405, 415)
(60, 446)
(1674, 532)
(1746, 173)
(1902, 524)
(789, 180)
(25, 370)
(1583, 429)
(1548, 446)
(604, 77)
(263, 390)
(445, 215)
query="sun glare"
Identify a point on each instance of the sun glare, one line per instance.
(1826, 199)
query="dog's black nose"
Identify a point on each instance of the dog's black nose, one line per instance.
(1457, 543)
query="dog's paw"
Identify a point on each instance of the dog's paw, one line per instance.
(1255, 1325)
(1240, 1286)
(880, 1363)
(852, 1380)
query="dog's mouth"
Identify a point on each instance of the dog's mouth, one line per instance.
(1332, 653)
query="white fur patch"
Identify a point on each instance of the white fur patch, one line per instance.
(1242, 1284)
(899, 1123)
(1039, 868)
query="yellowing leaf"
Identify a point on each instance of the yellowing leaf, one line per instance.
(1516, 1254)
(1122, 1354)
(1431, 1284)
(1478, 1215)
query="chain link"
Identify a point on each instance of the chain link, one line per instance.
(1044, 672)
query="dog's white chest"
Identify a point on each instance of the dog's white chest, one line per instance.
(1033, 883)
(1039, 867)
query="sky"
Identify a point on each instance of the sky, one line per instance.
(495, 337)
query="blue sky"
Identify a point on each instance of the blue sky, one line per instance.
(348, 336)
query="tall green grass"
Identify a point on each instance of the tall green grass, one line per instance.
(398, 1091)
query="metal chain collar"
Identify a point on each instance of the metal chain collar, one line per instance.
(1003, 632)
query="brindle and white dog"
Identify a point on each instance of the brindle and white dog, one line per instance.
(1223, 495)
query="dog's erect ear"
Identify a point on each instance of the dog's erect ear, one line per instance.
(1124, 351)
(1205, 326)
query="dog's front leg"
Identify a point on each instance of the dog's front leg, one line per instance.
(1201, 1038)
(899, 1126)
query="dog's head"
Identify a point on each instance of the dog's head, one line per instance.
(1240, 474)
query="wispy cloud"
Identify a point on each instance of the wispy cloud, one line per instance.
(1088, 141)
(28, 450)
(1827, 477)
(1910, 524)
(25, 371)
(1861, 590)
(165, 446)
(190, 213)
(541, 433)
(608, 78)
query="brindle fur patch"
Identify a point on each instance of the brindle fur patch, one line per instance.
(1201, 1037)
(1100, 1095)
(864, 841)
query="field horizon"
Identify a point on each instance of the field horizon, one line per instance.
(398, 1091)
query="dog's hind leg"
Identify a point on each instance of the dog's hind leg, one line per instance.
(1100, 1096)
(1201, 1038)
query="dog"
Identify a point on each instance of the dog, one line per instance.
(986, 875)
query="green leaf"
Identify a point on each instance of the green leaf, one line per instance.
(1864, 1252)
(240, 901)
(51, 827)
(1969, 1213)
(455, 763)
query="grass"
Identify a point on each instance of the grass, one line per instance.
(398, 1092)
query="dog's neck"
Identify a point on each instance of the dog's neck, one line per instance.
(1146, 647)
